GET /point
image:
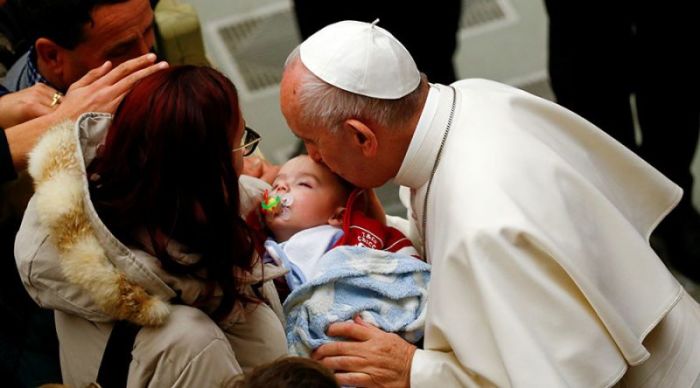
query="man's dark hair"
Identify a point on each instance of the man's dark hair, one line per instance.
(15, 41)
(62, 21)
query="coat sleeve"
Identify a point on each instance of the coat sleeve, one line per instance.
(39, 268)
(427, 364)
(7, 169)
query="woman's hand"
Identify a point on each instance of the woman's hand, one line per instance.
(260, 168)
(26, 104)
(103, 88)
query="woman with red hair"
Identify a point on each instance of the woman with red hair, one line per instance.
(136, 220)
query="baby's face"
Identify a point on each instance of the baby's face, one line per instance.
(312, 195)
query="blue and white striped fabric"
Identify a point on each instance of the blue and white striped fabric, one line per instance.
(388, 290)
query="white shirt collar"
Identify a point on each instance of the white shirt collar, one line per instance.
(418, 162)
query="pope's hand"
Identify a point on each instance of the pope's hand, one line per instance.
(375, 359)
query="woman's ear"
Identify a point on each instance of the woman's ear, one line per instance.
(337, 218)
(363, 136)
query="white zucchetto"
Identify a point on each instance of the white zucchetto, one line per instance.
(361, 58)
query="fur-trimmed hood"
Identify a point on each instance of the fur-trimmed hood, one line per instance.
(67, 257)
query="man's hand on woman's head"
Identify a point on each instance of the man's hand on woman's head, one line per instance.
(103, 88)
(375, 358)
(26, 104)
(100, 90)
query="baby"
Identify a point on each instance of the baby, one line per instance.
(311, 210)
(341, 262)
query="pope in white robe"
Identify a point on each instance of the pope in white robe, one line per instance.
(536, 224)
(537, 229)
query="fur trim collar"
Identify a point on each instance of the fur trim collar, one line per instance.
(56, 164)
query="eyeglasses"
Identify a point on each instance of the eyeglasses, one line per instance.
(249, 142)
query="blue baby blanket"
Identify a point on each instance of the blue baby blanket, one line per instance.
(388, 290)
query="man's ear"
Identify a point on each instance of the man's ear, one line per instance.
(50, 57)
(363, 136)
(337, 218)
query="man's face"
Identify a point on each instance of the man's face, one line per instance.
(119, 32)
(312, 196)
(335, 150)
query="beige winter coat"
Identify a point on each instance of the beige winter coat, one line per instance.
(71, 263)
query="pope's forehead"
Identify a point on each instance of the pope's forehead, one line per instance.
(291, 77)
(289, 94)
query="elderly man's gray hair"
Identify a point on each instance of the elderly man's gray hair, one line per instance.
(326, 106)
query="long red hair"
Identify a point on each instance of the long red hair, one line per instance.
(167, 167)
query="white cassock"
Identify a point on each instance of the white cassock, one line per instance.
(537, 230)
